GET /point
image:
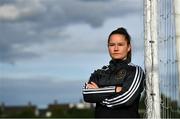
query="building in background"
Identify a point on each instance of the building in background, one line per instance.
(55, 109)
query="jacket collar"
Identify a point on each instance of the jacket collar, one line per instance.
(117, 64)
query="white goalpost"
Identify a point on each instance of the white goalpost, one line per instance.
(177, 26)
(162, 58)
(151, 60)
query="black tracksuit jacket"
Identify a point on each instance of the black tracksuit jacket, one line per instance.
(110, 104)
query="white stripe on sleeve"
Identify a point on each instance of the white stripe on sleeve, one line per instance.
(127, 95)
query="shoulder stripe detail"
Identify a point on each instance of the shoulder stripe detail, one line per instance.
(131, 64)
(132, 85)
(127, 95)
(125, 100)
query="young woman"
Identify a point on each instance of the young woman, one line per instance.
(116, 88)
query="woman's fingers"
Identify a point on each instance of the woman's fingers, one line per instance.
(92, 85)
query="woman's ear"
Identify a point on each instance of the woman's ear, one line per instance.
(129, 48)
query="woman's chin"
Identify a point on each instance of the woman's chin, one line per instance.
(116, 58)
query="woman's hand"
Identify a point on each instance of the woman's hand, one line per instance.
(118, 89)
(92, 85)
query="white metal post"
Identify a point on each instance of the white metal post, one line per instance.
(177, 26)
(151, 60)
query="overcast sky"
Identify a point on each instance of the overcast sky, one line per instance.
(49, 48)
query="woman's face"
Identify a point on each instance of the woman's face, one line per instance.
(118, 47)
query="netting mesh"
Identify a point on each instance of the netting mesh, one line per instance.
(162, 92)
(167, 62)
(168, 72)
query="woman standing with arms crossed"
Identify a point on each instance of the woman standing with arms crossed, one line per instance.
(116, 88)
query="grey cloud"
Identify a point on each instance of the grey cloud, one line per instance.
(19, 10)
(43, 21)
(13, 41)
(9, 54)
(2, 2)
(64, 12)
(93, 13)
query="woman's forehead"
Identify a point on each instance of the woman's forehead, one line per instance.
(117, 40)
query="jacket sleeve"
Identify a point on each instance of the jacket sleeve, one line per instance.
(131, 90)
(98, 94)
(101, 78)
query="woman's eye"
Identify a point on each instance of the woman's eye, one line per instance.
(120, 44)
(111, 44)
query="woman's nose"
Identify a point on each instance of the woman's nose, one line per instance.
(116, 47)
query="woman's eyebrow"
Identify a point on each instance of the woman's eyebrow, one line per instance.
(115, 42)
